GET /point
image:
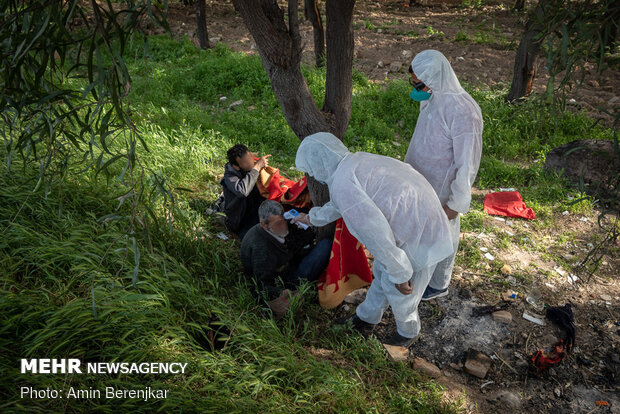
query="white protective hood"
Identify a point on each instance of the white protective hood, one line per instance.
(432, 68)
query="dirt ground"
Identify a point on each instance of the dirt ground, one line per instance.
(387, 32)
(590, 373)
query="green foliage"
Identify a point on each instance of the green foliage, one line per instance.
(574, 34)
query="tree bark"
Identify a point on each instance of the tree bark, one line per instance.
(280, 50)
(314, 16)
(339, 78)
(201, 23)
(525, 59)
(519, 5)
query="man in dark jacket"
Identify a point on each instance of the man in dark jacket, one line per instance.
(241, 195)
(271, 251)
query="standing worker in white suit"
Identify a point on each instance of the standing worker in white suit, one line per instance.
(394, 212)
(445, 148)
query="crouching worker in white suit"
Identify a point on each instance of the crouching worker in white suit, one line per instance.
(394, 212)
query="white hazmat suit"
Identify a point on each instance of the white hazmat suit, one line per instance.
(446, 145)
(392, 210)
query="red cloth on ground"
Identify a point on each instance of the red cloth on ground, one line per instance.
(542, 361)
(347, 271)
(507, 203)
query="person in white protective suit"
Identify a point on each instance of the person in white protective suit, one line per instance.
(445, 148)
(394, 212)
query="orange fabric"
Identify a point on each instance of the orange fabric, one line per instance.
(507, 203)
(347, 270)
(274, 186)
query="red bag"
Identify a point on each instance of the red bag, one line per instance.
(507, 203)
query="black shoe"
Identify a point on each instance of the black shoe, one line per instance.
(399, 340)
(359, 325)
(431, 293)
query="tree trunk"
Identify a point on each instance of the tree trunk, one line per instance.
(279, 47)
(339, 78)
(519, 5)
(201, 23)
(314, 16)
(525, 60)
(609, 30)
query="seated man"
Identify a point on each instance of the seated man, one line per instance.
(269, 252)
(241, 195)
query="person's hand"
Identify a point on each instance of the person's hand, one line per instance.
(302, 218)
(262, 162)
(450, 213)
(405, 288)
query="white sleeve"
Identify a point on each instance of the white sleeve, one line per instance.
(367, 223)
(327, 213)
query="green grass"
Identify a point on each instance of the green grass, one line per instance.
(67, 276)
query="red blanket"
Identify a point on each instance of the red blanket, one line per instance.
(274, 186)
(507, 203)
(347, 271)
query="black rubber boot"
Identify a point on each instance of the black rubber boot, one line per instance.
(359, 325)
(399, 340)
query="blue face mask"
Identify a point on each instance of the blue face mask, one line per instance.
(417, 95)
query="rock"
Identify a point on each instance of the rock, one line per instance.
(379, 30)
(397, 353)
(406, 54)
(506, 270)
(456, 367)
(395, 67)
(502, 316)
(380, 64)
(214, 39)
(508, 399)
(356, 297)
(477, 363)
(235, 104)
(426, 368)
(606, 298)
(590, 160)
